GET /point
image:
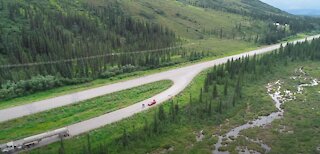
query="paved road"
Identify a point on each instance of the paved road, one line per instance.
(181, 78)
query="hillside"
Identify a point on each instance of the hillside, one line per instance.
(62, 42)
(228, 19)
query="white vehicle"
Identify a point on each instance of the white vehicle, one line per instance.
(7, 147)
(33, 140)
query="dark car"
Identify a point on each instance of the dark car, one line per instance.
(152, 103)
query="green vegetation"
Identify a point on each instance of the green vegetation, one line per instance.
(35, 84)
(298, 130)
(60, 117)
(175, 124)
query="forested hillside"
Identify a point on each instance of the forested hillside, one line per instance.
(33, 31)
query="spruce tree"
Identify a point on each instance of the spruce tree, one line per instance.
(215, 91)
(226, 87)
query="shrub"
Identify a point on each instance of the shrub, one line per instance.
(38, 83)
(118, 70)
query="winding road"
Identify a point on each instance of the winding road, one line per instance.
(180, 76)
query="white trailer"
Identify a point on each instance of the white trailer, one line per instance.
(33, 140)
(30, 141)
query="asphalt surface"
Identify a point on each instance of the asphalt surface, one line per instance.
(181, 78)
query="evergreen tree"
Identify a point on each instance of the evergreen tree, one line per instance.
(200, 96)
(162, 114)
(61, 149)
(210, 108)
(226, 87)
(125, 138)
(234, 100)
(89, 144)
(220, 106)
(215, 91)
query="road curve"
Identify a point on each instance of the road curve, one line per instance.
(178, 75)
(181, 78)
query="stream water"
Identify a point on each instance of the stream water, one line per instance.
(279, 97)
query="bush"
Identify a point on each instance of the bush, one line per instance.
(117, 71)
(38, 83)
(23, 87)
(66, 81)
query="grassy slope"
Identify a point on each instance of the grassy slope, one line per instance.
(255, 103)
(67, 115)
(191, 21)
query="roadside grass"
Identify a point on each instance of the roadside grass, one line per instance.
(181, 136)
(59, 117)
(299, 36)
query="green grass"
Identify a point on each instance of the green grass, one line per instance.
(299, 36)
(60, 117)
(181, 136)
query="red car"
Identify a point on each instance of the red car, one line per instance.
(152, 103)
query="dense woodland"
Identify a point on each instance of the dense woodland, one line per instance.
(222, 91)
